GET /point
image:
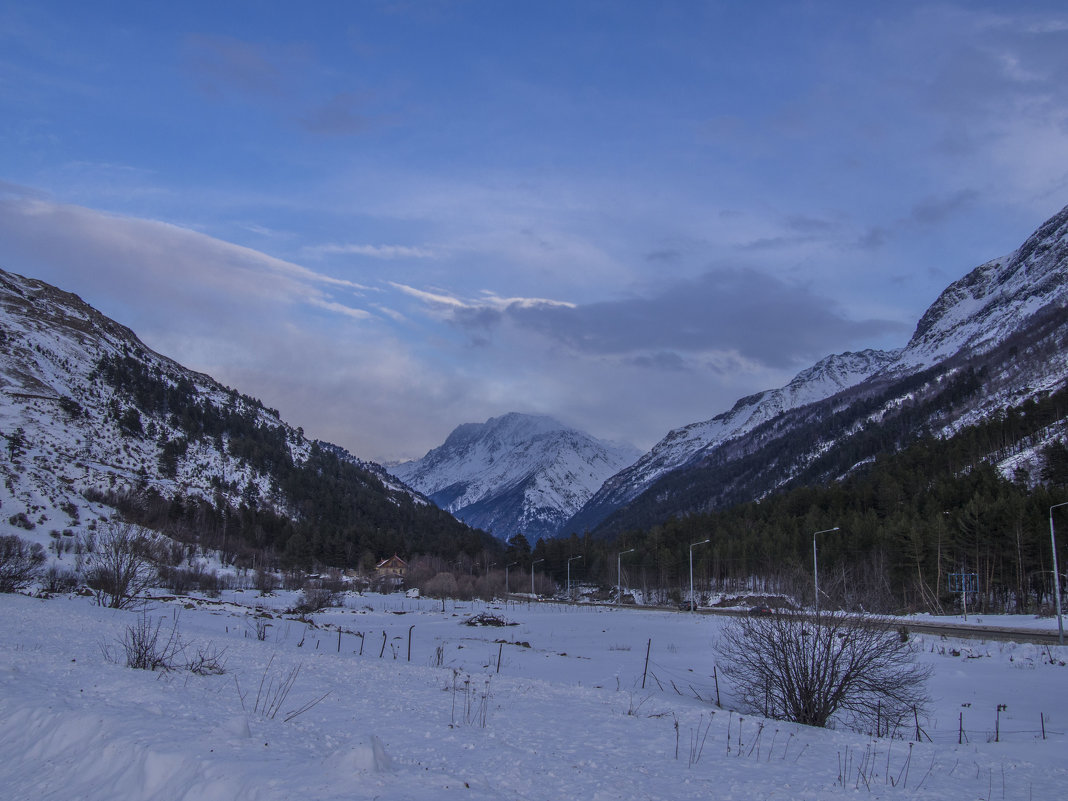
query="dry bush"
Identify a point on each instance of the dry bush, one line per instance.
(120, 567)
(20, 563)
(851, 668)
(442, 585)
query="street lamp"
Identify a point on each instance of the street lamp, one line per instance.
(702, 542)
(619, 574)
(815, 568)
(506, 567)
(1056, 575)
(570, 559)
(532, 575)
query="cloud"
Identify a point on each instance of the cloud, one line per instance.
(385, 252)
(225, 64)
(742, 311)
(156, 259)
(752, 315)
(341, 116)
(936, 210)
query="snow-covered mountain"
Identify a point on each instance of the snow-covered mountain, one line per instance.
(89, 414)
(1006, 321)
(824, 379)
(994, 301)
(515, 474)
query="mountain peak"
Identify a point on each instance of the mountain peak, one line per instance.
(989, 303)
(515, 473)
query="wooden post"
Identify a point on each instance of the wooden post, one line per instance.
(339, 639)
(916, 717)
(500, 650)
(1042, 718)
(960, 730)
(715, 678)
(645, 672)
(410, 641)
(383, 645)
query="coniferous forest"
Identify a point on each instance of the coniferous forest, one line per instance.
(906, 521)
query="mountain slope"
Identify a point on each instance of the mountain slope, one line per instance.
(89, 414)
(515, 473)
(992, 340)
(825, 378)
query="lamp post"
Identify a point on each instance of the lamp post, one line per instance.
(619, 575)
(815, 567)
(506, 568)
(570, 559)
(532, 575)
(702, 542)
(1056, 574)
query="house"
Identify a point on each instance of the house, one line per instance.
(391, 571)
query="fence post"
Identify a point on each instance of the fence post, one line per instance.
(645, 672)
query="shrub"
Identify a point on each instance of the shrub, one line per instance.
(120, 568)
(314, 597)
(148, 646)
(20, 563)
(146, 649)
(854, 668)
(59, 580)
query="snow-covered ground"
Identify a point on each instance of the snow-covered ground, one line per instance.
(550, 708)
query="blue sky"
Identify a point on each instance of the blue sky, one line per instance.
(389, 218)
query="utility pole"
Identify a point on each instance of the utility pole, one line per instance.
(1056, 574)
(815, 567)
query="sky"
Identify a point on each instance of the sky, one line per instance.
(385, 219)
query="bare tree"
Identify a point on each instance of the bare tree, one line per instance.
(120, 568)
(853, 668)
(20, 563)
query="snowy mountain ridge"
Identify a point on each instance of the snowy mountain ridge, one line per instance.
(1005, 319)
(516, 473)
(824, 379)
(988, 304)
(87, 410)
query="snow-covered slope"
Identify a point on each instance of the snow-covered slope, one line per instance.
(1004, 319)
(824, 379)
(73, 432)
(87, 411)
(560, 715)
(515, 474)
(996, 299)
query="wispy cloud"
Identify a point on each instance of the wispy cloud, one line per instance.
(148, 255)
(342, 115)
(386, 252)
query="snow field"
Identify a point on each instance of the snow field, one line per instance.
(565, 717)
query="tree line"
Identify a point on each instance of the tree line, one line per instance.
(906, 520)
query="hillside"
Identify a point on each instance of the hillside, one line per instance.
(995, 339)
(515, 473)
(92, 419)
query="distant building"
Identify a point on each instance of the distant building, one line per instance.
(391, 571)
